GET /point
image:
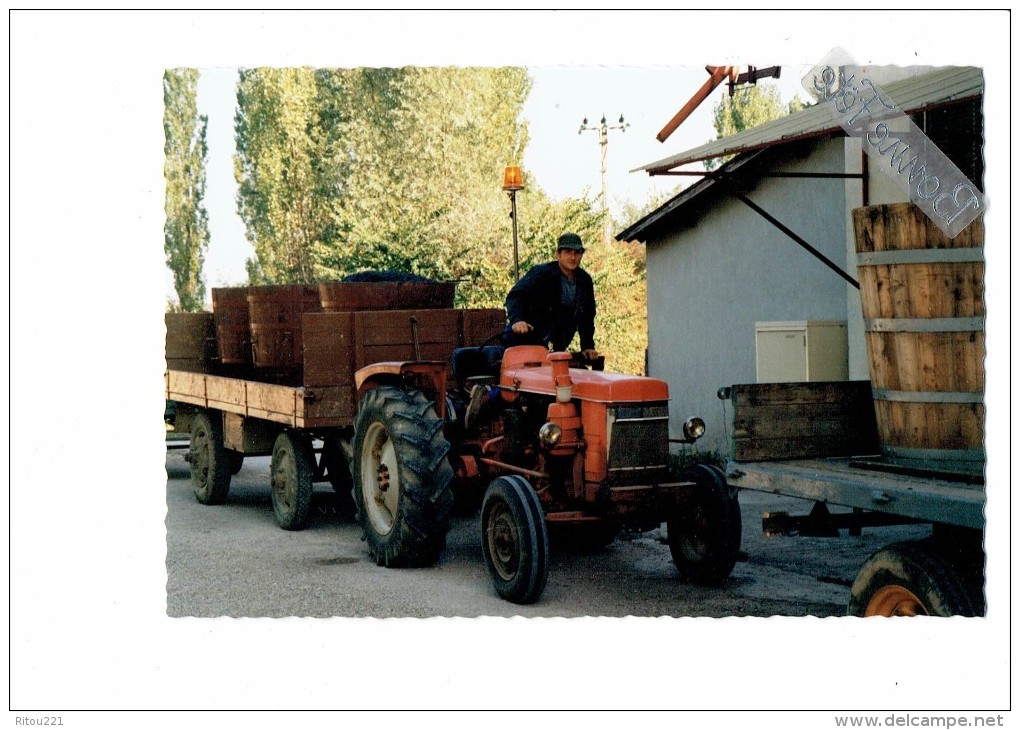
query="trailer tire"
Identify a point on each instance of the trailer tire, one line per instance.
(209, 460)
(401, 477)
(515, 540)
(291, 476)
(909, 579)
(704, 532)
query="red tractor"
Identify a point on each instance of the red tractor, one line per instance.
(546, 444)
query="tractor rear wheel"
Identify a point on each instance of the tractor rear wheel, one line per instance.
(909, 579)
(515, 540)
(401, 477)
(209, 460)
(704, 533)
(291, 473)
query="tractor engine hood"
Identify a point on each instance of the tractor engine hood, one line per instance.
(527, 369)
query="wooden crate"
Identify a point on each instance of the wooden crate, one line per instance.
(328, 348)
(336, 344)
(801, 420)
(353, 296)
(481, 325)
(190, 341)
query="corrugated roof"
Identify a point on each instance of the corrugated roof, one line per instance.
(912, 94)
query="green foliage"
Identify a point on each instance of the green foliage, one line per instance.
(796, 104)
(748, 107)
(689, 455)
(186, 230)
(344, 170)
(282, 172)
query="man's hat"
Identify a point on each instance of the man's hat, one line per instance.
(570, 241)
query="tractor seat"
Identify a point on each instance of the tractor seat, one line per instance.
(470, 362)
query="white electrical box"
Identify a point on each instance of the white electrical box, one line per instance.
(796, 352)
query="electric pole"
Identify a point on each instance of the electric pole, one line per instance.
(603, 131)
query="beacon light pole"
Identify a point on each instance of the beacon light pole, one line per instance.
(512, 182)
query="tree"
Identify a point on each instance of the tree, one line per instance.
(284, 170)
(186, 230)
(428, 147)
(748, 107)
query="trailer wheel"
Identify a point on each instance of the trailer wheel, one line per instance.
(515, 540)
(401, 477)
(704, 533)
(291, 474)
(909, 579)
(209, 460)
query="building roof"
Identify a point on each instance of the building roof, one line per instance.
(924, 91)
(937, 87)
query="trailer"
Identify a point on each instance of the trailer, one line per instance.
(224, 396)
(819, 441)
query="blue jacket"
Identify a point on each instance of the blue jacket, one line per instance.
(535, 299)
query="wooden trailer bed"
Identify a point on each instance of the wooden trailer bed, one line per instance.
(298, 407)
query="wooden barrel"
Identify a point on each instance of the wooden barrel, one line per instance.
(189, 341)
(358, 296)
(275, 313)
(922, 295)
(233, 329)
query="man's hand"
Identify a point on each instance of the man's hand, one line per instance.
(521, 328)
(590, 354)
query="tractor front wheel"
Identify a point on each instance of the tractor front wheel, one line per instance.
(515, 540)
(704, 533)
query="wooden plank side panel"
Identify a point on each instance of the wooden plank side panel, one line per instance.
(186, 387)
(800, 393)
(797, 420)
(226, 394)
(482, 324)
(332, 406)
(275, 402)
(395, 327)
(439, 352)
(245, 397)
(328, 348)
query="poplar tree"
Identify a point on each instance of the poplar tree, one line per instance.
(186, 231)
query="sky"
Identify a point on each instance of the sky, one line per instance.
(562, 159)
(86, 360)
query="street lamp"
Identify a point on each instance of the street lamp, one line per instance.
(512, 182)
(603, 131)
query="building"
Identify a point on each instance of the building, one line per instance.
(768, 237)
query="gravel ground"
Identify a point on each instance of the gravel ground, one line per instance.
(232, 560)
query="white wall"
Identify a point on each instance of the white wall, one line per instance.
(709, 283)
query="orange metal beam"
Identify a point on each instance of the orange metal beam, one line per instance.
(718, 73)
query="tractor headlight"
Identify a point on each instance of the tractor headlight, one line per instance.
(550, 434)
(694, 428)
